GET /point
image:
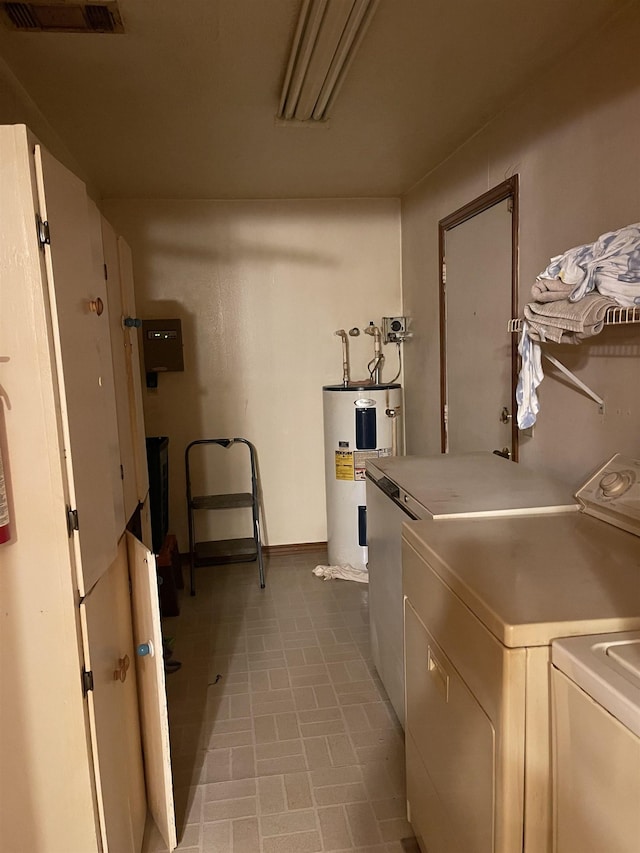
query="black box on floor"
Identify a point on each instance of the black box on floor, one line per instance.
(158, 467)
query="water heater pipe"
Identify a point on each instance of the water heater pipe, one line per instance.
(375, 365)
(346, 378)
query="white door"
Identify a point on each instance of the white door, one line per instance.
(478, 299)
(153, 702)
(113, 708)
(80, 329)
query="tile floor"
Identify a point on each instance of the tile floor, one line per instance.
(283, 740)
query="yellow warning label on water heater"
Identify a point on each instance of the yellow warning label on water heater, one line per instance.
(344, 465)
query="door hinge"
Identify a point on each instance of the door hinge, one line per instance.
(444, 272)
(44, 236)
(122, 472)
(106, 273)
(72, 520)
(510, 205)
(87, 681)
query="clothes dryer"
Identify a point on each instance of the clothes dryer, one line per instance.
(443, 487)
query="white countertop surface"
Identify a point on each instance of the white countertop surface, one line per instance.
(480, 483)
(533, 579)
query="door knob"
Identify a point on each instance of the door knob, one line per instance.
(505, 415)
(132, 322)
(96, 306)
(120, 674)
(145, 649)
(505, 453)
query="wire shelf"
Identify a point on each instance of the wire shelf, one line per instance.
(615, 316)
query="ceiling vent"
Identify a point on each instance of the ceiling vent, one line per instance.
(40, 16)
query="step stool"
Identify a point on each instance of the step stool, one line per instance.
(219, 551)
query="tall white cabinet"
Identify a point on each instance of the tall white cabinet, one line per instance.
(84, 750)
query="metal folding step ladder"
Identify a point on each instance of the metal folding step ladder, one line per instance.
(224, 550)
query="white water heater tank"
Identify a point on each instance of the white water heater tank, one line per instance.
(360, 422)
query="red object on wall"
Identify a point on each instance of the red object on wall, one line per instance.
(5, 532)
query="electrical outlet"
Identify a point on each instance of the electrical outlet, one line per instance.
(394, 330)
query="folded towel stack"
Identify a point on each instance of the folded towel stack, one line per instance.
(550, 290)
(565, 322)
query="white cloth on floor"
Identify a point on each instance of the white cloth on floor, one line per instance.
(347, 573)
(530, 377)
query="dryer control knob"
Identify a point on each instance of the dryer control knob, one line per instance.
(615, 483)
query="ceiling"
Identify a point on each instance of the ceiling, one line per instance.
(183, 104)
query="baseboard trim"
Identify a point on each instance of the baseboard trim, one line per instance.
(293, 548)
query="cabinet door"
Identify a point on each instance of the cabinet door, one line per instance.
(153, 700)
(133, 367)
(106, 345)
(113, 708)
(121, 355)
(79, 327)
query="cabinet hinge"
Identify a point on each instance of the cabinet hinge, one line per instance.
(106, 273)
(72, 520)
(42, 226)
(122, 472)
(87, 681)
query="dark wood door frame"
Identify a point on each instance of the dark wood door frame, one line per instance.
(508, 189)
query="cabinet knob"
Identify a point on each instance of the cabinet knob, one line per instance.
(96, 306)
(120, 674)
(145, 649)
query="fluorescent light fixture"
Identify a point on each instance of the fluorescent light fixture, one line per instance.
(327, 37)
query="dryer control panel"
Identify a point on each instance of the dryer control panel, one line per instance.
(613, 493)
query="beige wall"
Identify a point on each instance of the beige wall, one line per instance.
(261, 286)
(17, 107)
(574, 140)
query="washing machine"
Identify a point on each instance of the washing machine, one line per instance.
(484, 599)
(596, 743)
